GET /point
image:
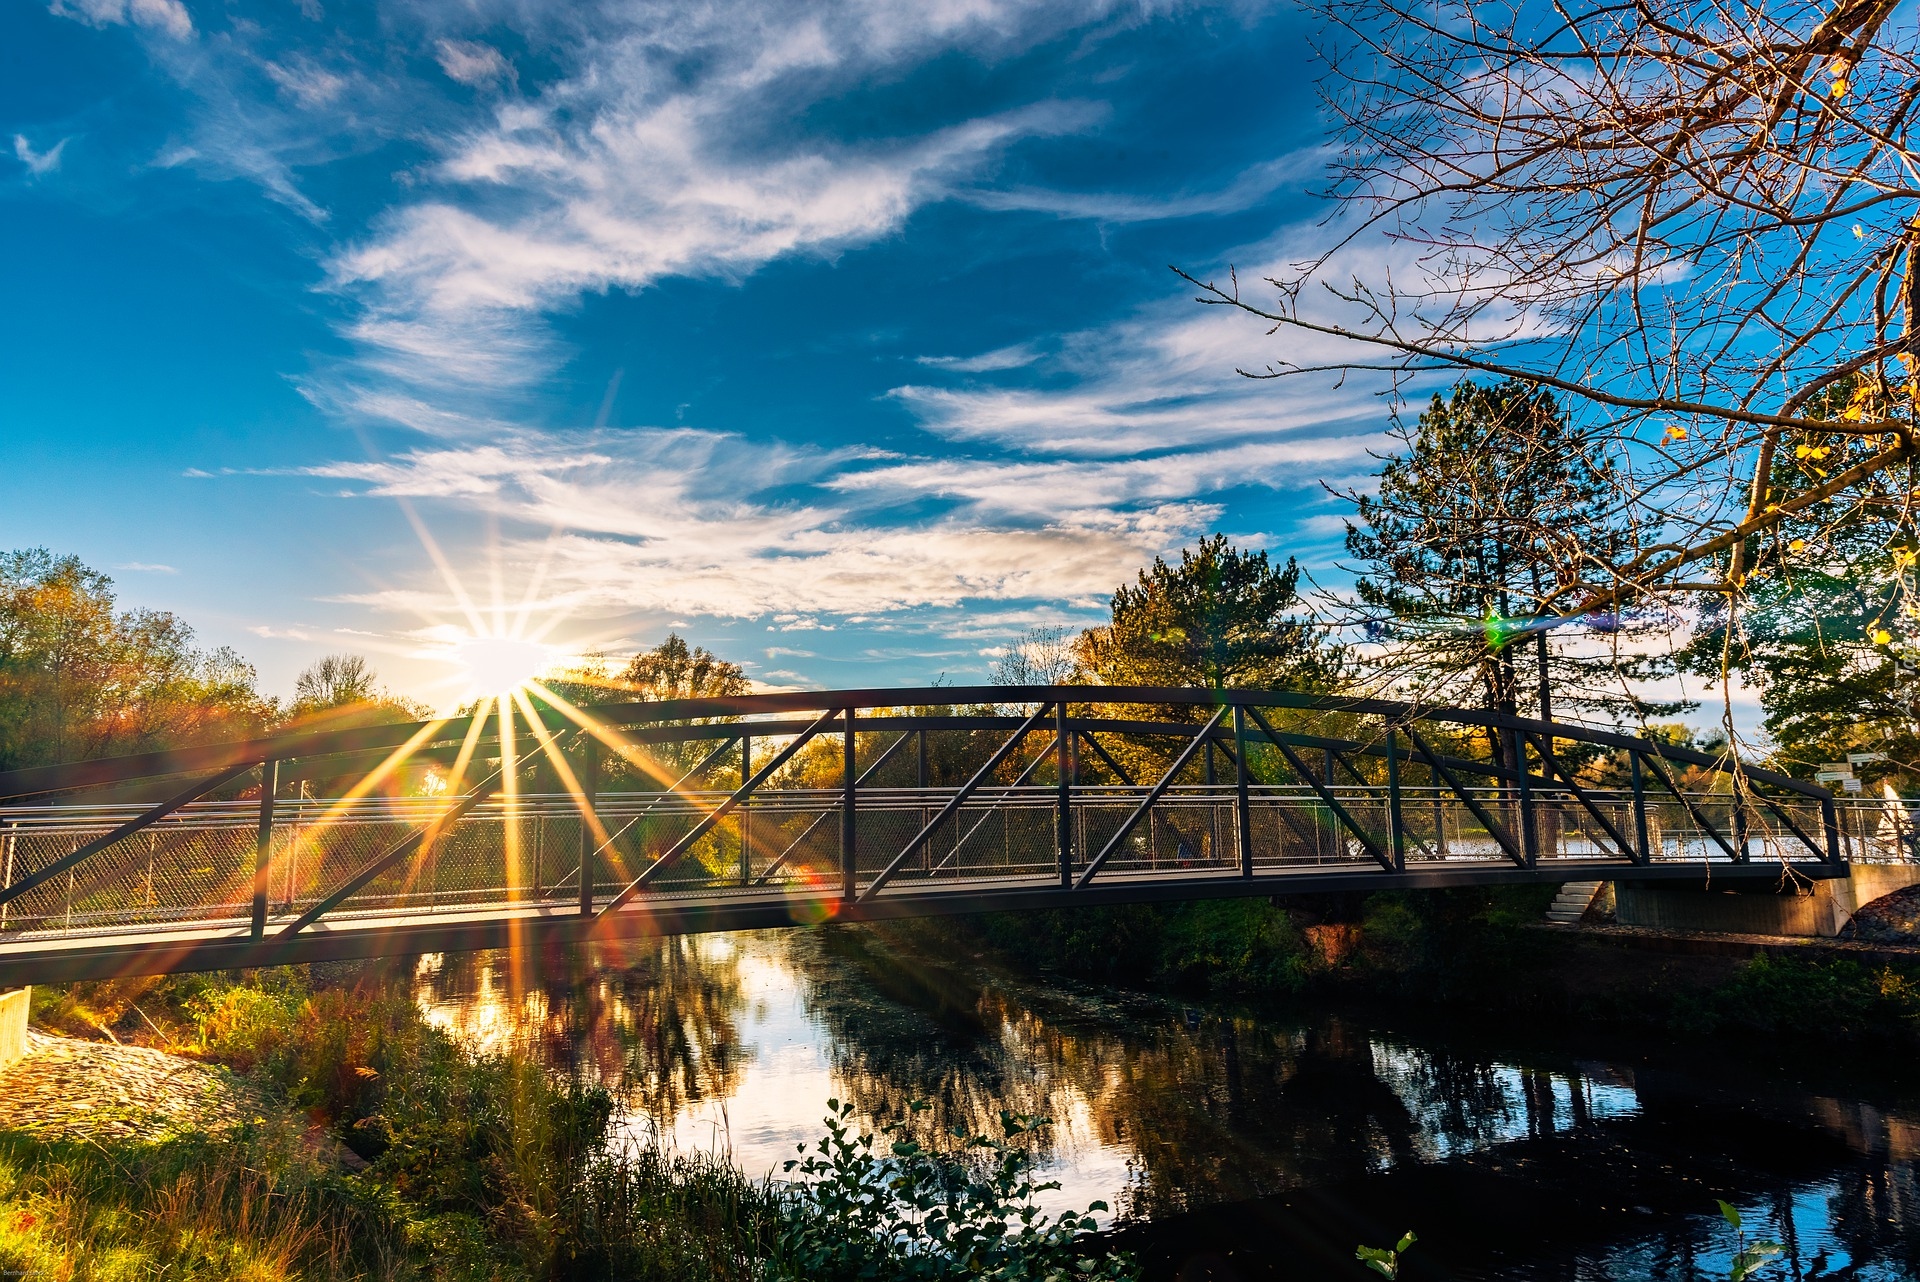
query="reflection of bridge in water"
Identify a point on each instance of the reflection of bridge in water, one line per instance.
(765, 810)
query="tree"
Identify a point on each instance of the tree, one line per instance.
(80, 679)
(1828, 633)
(335, 682)
(1222, 618)
(673, 670)
(1043, 657)
(1691, 218)
(1494, 498)
(341, 690)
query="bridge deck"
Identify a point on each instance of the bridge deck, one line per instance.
(224, 944)
(733, 813)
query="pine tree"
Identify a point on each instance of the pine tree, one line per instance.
(1494, 500)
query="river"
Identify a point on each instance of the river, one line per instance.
(1233, 1142)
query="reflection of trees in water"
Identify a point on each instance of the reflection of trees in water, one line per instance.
(902, 1030)
(1224, 1109)
(1236, 1108)
(652, 1020)
(1875, 1214)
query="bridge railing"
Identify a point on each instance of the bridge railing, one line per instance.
(876, 797)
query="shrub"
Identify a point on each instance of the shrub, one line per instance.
(905, 1212)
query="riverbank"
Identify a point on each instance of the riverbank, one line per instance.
(1477, 955)
(318, 1125)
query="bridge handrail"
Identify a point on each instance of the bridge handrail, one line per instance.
(209, 758)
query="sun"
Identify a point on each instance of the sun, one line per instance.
(499, 665)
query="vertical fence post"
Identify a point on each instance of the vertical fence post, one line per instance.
(1739, 817)
(926, 811)
(1830, 819)
(1640, 808)
(589, 790)
(1063, 808)
(1396, 822)
(13, 840)
(848, 832)
(1243, 811)
(263, 845)
(746, 811)
(1529, 820)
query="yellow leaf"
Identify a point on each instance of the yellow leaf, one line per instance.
(1801, 451)
(1881, 636)
(1798, 545)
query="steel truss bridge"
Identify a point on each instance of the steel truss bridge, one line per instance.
(561, 824)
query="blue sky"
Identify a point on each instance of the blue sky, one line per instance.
(840, 337)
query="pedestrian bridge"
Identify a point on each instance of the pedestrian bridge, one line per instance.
(545, 821)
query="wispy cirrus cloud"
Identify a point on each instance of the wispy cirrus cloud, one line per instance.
(681, 519)
(38, 163)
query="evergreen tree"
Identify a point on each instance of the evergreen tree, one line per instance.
(1222, 618)
(1494, 500)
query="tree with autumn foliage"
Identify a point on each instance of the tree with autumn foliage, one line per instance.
(82, 678)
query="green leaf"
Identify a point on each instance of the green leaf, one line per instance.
(1730, 1215)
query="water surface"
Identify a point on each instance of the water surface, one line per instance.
(1231, 1142)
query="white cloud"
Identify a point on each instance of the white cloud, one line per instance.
(168, 16)
(1014, 357)
(679, 521)
(38, 162)
(473, 63)
(280, 634)
(621, 200)
(306, 82)
(145, 567)
(1249, 188)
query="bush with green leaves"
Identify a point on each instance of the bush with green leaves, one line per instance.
(874, 1206)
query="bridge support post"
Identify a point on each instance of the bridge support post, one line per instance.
(263, 845)
(589, 789)
(1396, 821)
(1830, 820)
(1529, 819)
(1063, 805)
(849, 831)
(1640, 809)
(1242, 810)
(746, 812)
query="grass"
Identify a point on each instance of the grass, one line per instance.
(470, 1167)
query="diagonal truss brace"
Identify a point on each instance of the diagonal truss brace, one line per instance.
(824, 815)
(1099, 750)
(725, 746)
(417, 840)
(714, 816)
(1480, 812)
(1544, 745)
(1325, 793)
(952, 807)
(192, 792)
(1698, 815)
(1153, 795)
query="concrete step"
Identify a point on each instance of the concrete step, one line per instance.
(1571, 904)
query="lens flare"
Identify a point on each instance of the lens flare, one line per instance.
(500, 665)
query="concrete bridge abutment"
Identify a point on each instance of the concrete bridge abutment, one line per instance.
(1819, 909)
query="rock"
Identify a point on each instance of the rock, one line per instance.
(69, 1088)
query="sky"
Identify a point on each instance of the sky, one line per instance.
(841, 338)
